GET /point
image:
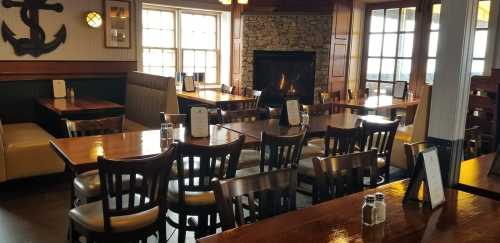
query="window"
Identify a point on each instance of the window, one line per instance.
(433, 43)
(158, 54)
(481, 38)
(176, 40)
(199, 45)
(389, 49)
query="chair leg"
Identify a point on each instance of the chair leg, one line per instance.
(162, 231)
(181, 238)
(202, 226)
(213, 223)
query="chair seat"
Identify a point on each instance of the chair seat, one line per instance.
(248, 158)
(88, 184)
(90, 216)
(306, 168)
(310, 151)
(190, 198)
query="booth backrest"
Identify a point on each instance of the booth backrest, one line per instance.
(147, 96)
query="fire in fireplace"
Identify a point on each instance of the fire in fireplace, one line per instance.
(281, 74)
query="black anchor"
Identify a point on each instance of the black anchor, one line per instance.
(35, 45)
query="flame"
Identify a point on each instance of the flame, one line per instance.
(282, 81)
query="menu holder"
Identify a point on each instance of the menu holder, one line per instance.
(400, 90)
(59, 88)
(290, 113)
(495, 166)
(428, 172)
(188, 84)
(198, 122)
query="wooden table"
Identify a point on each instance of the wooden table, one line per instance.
(208, 97)
(317, 125)
(464, 218)
(377, 103)
(80, 154)
(54, 110)
(474, 177)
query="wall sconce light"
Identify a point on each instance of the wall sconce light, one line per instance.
(93, 19)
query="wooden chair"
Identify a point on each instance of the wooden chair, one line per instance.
(177, 120)
(337, 141)
(252, 104)
(341, 175)
(472, 142)
(127, 215)
(108, 125)
(412, 150)
(227, 89)
(191, 193)
(380, 136)
(274, 191)
(273, 112)
(86, 186)
(249, 157)
(278, 152)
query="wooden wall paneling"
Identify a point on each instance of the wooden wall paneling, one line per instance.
(423, 18)
(341, 27)
(38, 70)
(236, 29)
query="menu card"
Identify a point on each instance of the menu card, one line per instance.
(188, 84)
(428, 172)
(59, 88)
(292, 107)
(199, 122)
(400, 90)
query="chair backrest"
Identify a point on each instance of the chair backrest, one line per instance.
(226, 89)
(342, 175)
(341, 140)
(274, 112)
(412, 150)
(125, 194)
(318, 109)
(274, 191)
(240, 116)
(108, 125)
(421, 120)
(472, 142)
(277, 152)
(379, 136)
(177, 120)
(198, 165)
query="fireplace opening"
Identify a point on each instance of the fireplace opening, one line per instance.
(282, 74)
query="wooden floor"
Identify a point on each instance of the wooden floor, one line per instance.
(35, 211)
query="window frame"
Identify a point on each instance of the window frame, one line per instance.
(179, 64)
(488, 30)
(367, 23)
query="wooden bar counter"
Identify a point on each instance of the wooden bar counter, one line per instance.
(464, 218)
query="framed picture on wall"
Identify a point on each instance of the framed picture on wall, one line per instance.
(117, 15)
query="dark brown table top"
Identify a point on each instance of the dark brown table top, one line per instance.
(464, 218)
(377, 102)
(81, 153)
(212, 97)
(64, 106)
(317, 125)
(474, 176)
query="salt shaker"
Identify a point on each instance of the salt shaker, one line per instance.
(368, 211)
(379, 208)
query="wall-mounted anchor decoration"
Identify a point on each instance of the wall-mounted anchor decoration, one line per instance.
(35, 45)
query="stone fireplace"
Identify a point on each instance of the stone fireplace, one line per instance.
(284, 34)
